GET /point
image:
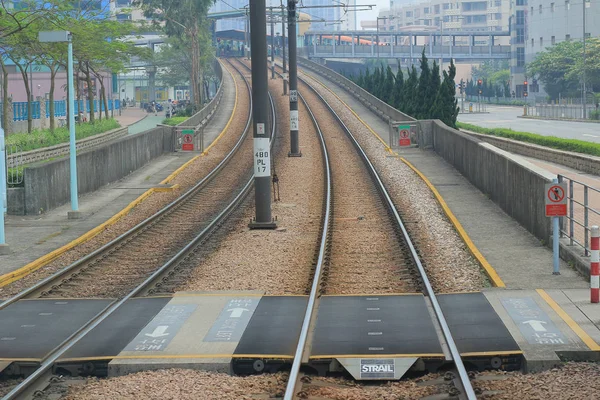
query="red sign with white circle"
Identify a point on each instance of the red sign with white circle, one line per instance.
(556, 200)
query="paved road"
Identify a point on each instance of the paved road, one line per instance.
(506, 117)
(147, 123)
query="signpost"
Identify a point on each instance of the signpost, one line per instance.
(188, 140)
(555, 196)
(404, 133)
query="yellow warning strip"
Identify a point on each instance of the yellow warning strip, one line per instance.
(490, 271)
(33, 266)
(487, 267)
(329, 356)
(585, 338)
(22, 359)
(492, 353)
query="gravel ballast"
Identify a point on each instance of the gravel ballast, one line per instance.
(276, 261)
(449, 265)
(194, 172)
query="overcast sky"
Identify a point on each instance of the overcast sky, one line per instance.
(371, 15)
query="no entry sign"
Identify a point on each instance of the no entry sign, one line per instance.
(404, 134)
(188, 140)
(556, 199)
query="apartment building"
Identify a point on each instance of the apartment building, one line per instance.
(465, 15)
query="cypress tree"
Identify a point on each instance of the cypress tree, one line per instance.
(445, 106)
(411, 104)
(375, 83)
(423, 102)
(388, 86)
(433, 89)
(367, 80)
(398, 93)
(360, 81)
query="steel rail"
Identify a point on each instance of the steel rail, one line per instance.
(49, 361)
(456, 358)
(147, 222)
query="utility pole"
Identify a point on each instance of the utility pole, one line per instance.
(260, 118)
(283, 47)
(272, 43)
(247, 34)
(294, 123)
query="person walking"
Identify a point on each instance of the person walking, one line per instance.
(154, 107)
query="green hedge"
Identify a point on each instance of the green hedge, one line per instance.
(577, 146)
(40, 138)
(174, 121)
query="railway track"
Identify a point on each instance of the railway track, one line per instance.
(336, 270)
(152, 278)
(141, 250)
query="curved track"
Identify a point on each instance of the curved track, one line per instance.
(29, 385)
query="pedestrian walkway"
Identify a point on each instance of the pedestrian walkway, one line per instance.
(129, 116)
(31, 237)
(149, 122)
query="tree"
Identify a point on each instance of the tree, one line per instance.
(16, 19)
(424, 102)
(185, 19)
(410, 92)
(446, 106)
(388, 85)
(398, 93)
(434, 87)
(554, 67)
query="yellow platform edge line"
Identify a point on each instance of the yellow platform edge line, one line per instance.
(487, 267)
(22, 359)
(178, 357)
(492, 353)
(218, 295)
(33, 266)
(329, 356)
(585, 338)
(490, 271)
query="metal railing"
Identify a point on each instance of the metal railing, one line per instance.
(581, 215)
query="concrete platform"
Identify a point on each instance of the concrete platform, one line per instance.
(31, 237)
(193, 330)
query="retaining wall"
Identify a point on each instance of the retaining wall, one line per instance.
(47, 184)
(581, 162)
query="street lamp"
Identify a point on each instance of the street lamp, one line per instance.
(585, 4)
(61, 37)
(378, 18)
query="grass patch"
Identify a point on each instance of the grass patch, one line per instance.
(174, 121)
(577, 146)
(40, 138)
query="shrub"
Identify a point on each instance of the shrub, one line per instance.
(577, 146)
(40, 138)
(174, 120)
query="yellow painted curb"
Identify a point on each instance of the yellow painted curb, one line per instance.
(489, 270)
(33, 266)
(585, 338)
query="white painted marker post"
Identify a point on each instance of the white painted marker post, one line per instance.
(595, 265)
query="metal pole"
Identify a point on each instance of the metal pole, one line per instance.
(555, 241)
(72, 147)
(283, 46)
(294, 123)
(272, 44)
(571, 212)
(377, 37)
(583, 99)
(585, 219)
(3, 205)
(260, 117)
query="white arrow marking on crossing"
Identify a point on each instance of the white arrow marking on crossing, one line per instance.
(159, 331)
(536, 325)
(237, 312)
